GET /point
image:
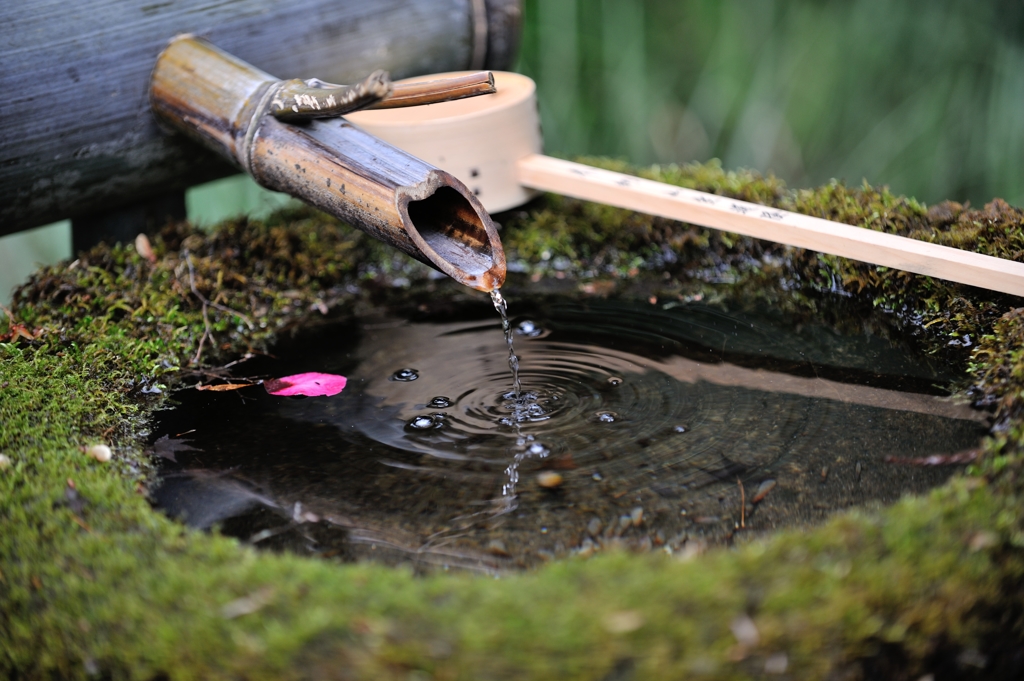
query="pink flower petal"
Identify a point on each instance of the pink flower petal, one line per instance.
(310, 384)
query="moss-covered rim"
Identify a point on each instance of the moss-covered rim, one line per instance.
(93, 582)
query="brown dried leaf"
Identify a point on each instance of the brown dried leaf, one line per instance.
(222, 387)
(16, 331)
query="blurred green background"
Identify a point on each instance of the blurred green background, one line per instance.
(926, 96)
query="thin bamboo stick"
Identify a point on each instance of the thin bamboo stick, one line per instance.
(301, 100)
(438, 90)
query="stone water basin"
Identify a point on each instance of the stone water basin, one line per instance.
(669, 426)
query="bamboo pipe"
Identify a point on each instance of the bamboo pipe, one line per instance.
(494, 144)
(232, 107)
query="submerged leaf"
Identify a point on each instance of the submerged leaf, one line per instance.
(221, 387)
(167, 447)
(310, 384)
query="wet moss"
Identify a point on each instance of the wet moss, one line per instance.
(945, 319)
(93, 582)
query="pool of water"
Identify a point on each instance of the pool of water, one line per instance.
(666, 426)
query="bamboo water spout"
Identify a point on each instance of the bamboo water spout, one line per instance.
(237, 110)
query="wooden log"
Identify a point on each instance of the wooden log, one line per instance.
(76, 132)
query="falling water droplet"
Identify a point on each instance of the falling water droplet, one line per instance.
(614, 380)
(440, 402)
(405, 375)
(607, 416)
(680, 429)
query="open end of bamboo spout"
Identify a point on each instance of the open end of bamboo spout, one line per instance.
(456, 235)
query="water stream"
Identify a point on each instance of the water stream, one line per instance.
(513, 361)
(523, 407)
(630, 424)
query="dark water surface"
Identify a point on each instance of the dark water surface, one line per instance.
(645, 426)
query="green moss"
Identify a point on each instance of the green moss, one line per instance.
(943, 319)
(601, 240)
(92, 581)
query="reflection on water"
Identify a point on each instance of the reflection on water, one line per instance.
(646, 426)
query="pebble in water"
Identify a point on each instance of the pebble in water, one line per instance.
(497, 547)
(405, 375)
(587, 548)
(549, 479)
(762, 491)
